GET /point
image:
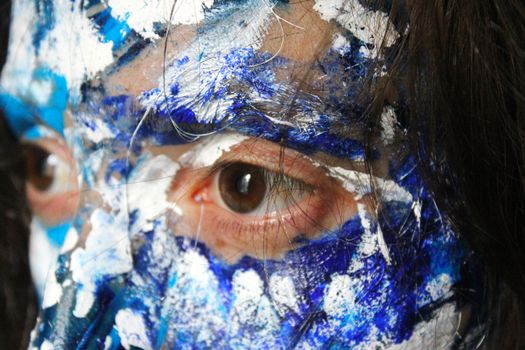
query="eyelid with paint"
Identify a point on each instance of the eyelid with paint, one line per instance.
(51, 180)
(303, 202)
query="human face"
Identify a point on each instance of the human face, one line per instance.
(210, 184)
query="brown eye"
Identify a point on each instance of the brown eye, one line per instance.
(40, 166)
(242, 187)
(51, 180)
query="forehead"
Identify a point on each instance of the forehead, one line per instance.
(77, 50)
(294, 32)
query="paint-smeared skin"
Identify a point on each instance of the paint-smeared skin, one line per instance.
(187, 297)
(382, 281)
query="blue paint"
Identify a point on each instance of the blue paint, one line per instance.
(45, 20)
(112, 29)
(51, 113)
(24, 114)
(19, 115)
(417, 258)
(57, 234)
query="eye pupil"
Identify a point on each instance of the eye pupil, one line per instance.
(242, 187)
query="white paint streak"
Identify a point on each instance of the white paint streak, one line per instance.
(388, 124)
(143, 15)
(283, 294)
(437, 333)
(252, 310)
(132, 329)
(148, 190)
(368, 244)
(52, 293)
(106, 254)
(339, 296)
(192, 295)
(371, 27)
(70, 241)
(383, 247)
(211, 149)
(248, 290)
(416, 209)
(360, 183)
(371, 242)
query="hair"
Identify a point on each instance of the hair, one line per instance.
(464, 63)
(18, 306)
(461, 70)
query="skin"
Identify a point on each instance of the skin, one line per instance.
(153, 257)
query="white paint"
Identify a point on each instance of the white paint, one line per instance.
(18, 69)
(208, 71)
(42, 255)
(438, 333)
(284, 296)
(148, 188)
(340, 43)
(143, 15)
(439, 286)
(194, 298)
(72, 48)
(90, 167)
(107, 343)
(388, 125)
(252, 310)
(40, 91)
(100, 131)
(70, 241)
(371, 242)
(416, 209)
(132, 329)
(371, 27)
(52, 293)
(339, 296)
(47, 345)
(211, 149)
(247, 287)
(106, 254)
(368, 244)
(383, 247)
(360, 183)
(340, 304)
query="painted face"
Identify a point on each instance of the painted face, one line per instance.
(201, 177)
